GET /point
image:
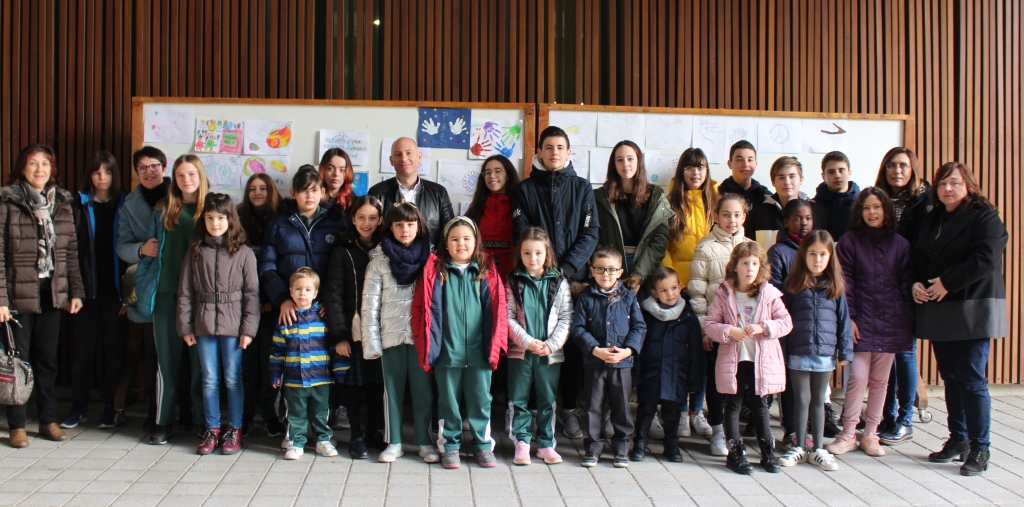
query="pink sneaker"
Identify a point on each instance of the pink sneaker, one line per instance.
(522, 456)
(549, 456)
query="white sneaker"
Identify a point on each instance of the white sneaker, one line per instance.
(823, 460)
(293, 453)
(684, 426)
(700, 425)
(718, 447)
(657, 430)
(429, 454)
(326, 449)
(391, 453)
(286, 443)
(793, 456)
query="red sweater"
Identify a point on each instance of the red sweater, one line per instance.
(496, 232)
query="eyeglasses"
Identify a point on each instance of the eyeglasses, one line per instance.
(892, 166)
(148, 168)
(488, 174)
(610, 271)
(695, 168)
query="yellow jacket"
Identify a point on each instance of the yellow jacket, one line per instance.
(679, 253)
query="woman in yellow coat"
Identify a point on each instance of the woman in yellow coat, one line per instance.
(692, 195)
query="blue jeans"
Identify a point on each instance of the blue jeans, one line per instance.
(962, 365)
(215, 351)
(903, 387)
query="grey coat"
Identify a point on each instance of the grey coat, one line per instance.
(136, 218)
(219, 293)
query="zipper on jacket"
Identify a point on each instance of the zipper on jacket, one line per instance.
(216, 259)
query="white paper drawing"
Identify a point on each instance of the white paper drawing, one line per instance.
(823, 136)
(669, 131)
(740, 128)
(779, 135)
(464, 207)
(458, 176)
(385, 156)
(599, 165)
(496, 137)
(615, 127)
(268, 137)
(581, 162)
(355, 142)
(581, 126)
(709, 136)
(227, 174)
(660, 166)
(168, 124)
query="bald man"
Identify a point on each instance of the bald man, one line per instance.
(431, 199)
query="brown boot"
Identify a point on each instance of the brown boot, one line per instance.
(19, 438)
(53, 432)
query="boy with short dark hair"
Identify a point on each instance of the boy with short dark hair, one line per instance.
(836, 194)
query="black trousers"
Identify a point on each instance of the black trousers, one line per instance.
(611, 387)
(350, 395)
(714, 400)
(570, 377)
(758, 405)
(36, 340)
(670, 413)
(100, 315)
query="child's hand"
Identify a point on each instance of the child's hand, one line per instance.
(343, 349)
(602, 354)
(843, 363)
(708, 343)
(753, 330)
(856, 332)
(190, 339)
(618, 355)
(277, 385)
(244, 341)
(737, 334)
(544, 350)
(287, 316)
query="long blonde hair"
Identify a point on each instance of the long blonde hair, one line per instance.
(175, 201)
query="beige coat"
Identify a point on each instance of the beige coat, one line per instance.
(707, 271)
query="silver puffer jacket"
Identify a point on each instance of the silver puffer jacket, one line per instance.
(386, 315)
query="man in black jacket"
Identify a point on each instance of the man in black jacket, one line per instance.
(431, 199)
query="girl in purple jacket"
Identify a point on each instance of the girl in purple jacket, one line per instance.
(875, 261)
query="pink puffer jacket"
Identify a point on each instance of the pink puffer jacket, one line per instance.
(769, 364)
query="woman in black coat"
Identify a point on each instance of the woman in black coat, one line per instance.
(956, 263)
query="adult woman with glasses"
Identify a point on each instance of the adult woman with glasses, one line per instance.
(39, 276)
(956, 264)
(899, 176)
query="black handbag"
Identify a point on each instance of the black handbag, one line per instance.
(16, 379)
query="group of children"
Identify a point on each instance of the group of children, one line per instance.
(752, 322)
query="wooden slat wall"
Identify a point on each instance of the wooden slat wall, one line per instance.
(68, 70)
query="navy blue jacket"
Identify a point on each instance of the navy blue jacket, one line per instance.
(821, 326)
(838, 206)
(288, 246)
(604, 321)
(780, 258)
(673, 356)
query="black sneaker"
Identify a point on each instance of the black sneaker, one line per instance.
(589, 460)
(246, 427)
(620, 461)
(831, 422)
(160, 435)
(274, 427)
(110, 419)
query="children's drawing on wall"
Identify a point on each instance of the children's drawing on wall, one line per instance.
(661, 166)
(443, 127)
(228, 173)
(615, 127)
(496, 137)
(385, 156)
(361, 183)
(740, 128)
(581, 127)
(268, 137)
(457, 176)
(779, 135)
(167, 124)
(355, 142)
(709, 136)
(823, 136)
(218, 136)
(669, 131)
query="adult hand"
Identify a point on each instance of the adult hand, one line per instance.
(287, 316)
(343, 349)
(937, 292)
(244, 341)
(920, 293)
(431, 127)
(5, 314)
(458, 126)
(190, 339)
(149, 248)
(75, 305)
(856, 332)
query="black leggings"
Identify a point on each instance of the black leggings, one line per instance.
(809, 389)
(713, 399)
(745, 380)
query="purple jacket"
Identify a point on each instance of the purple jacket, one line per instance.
(876, 270)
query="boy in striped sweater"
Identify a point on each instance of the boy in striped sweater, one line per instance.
(299, 361)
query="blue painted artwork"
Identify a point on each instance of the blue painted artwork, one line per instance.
(441, 127)
(361, 183)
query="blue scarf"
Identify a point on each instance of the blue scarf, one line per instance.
(406, 261)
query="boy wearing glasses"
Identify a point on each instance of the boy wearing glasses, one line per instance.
(608, 328)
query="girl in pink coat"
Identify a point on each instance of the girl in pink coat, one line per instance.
(747, 318)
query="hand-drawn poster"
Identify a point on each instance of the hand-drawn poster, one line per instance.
(268, 137)
(823, 136)
(661, 166)
(580, 159)
(779, 135)
(218, 136)
(581, 126)
(669, 132)
(167, 124)
(740, 128)
(599, 165)
(385, 157)
(228, 174)
(496, 137)
(615, 127)
(355, 142)
(458, 176)
(443, 127)
(277, 168)
(709, 136)
(361, 183)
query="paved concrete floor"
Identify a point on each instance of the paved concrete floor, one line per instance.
(97, 468)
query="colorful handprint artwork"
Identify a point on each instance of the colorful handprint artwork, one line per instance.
(218, 136)
(442, 127)
(496, 137)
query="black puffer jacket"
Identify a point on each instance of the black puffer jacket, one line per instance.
(561, 203)
(342, 291)
(838, 207)
(432, 201)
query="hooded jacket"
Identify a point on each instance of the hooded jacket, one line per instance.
(342, 288)
(85, 228)
(561, 203)
(708, 269)
(836, 207)
(299, 356)
(428, 315)
(607, 320)
(559, 319)
(653, 239)
(780, 258)
(219, 293)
